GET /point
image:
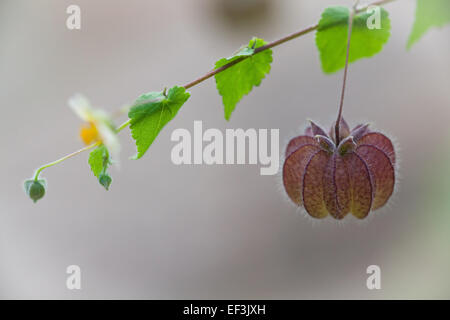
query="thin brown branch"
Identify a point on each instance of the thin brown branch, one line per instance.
(272, 45)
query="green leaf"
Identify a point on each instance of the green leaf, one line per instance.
(99, 160)
(239, 80)
(331, 37)
(151, 112)
(429, 13)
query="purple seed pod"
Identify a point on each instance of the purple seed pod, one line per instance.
(355, 173)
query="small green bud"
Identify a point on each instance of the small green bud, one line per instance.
(35, 189)
(105, 180)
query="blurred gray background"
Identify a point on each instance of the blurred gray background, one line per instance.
(174, 232)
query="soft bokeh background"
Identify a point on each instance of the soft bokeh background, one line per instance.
(166, 231)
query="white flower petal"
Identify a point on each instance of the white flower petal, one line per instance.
(81, 106)
(100, 119)
(109, 139)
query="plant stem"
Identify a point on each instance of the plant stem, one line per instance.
(344, 82)
(51, 164)
(274, 44)
(123, 125)
(89, 147)
(229, 65)
(257, 50)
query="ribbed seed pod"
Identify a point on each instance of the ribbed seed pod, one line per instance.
(355, 176)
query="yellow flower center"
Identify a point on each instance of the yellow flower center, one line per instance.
(89, 133)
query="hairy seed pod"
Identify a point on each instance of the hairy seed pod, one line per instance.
(355, 173)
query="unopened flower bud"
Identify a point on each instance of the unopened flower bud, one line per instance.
(35, 189)
(105, 180)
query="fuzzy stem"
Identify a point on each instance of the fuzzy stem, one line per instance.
(123, 125)
(87, 148)
(274, 44)
(344, 82)
(51, 164)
